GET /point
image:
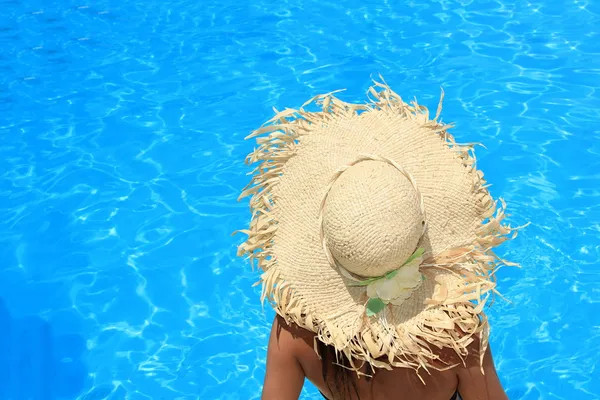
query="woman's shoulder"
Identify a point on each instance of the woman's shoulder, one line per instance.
(292, 337)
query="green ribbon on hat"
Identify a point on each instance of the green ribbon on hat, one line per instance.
(389, 275)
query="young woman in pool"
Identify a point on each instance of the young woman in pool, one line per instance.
(374, 232)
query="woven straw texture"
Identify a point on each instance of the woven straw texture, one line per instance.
(324, 183)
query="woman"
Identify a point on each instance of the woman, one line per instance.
(375, 233)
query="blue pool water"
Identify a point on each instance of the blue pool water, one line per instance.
(121, 142)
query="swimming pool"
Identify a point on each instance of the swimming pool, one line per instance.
(121, 149)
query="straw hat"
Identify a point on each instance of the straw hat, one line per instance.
(374, 229)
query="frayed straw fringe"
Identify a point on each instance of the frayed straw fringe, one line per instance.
(410, 346)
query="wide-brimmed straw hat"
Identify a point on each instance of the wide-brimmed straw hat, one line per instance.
(374, 229)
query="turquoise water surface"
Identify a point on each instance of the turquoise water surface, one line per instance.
(121, 149)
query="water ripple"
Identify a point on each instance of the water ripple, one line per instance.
(121, 160)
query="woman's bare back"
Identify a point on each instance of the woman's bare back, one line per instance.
(291, 358)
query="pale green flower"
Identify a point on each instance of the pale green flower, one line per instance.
(398, 287)
(395, 287)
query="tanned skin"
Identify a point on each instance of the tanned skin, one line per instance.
(291, 359)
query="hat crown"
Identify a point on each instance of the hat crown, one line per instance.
(372, 218)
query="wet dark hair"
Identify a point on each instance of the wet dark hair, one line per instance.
(338, 379)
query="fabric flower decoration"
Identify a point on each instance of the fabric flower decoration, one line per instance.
(395, 287)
